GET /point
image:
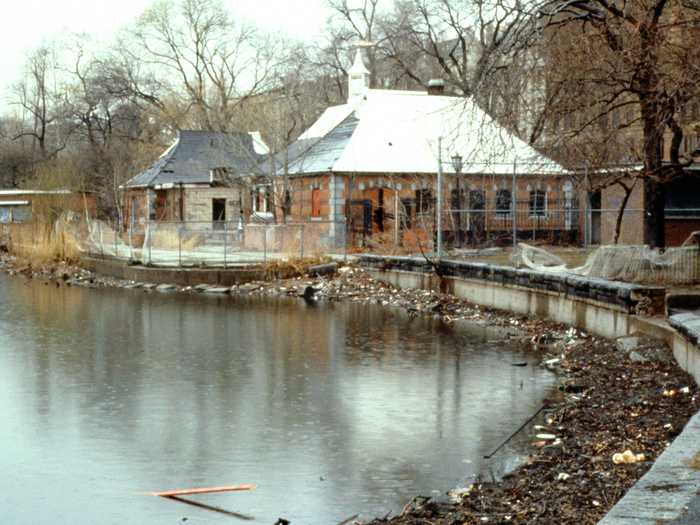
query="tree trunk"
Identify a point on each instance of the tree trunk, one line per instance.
(654, 206)
(621, 211)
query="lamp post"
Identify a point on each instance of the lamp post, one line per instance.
(457, 166)
(439, 200)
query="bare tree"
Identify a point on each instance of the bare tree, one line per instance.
(629, 58)
(39, 103)
(204, 58)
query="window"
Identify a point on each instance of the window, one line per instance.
(504, 204)
(424, 200)
(457, 199)
(538, 203)
(262, 199)
(269, 205)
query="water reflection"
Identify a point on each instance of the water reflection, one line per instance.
(330, 410)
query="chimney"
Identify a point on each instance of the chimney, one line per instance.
(436, 86)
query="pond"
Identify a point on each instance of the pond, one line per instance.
(333, 409)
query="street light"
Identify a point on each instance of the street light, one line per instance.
(457, 163)
(457, 166)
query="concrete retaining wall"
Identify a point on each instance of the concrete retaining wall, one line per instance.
(179, 276)
(603, 307)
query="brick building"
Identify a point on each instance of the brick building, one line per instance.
(372, 164)
(682, 215)
(203, 177)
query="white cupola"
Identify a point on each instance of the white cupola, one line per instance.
(358, 78)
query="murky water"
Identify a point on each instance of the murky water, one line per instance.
(331, 410)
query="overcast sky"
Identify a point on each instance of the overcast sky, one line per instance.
(28, 23)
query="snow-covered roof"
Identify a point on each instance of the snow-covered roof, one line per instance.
(389, 131)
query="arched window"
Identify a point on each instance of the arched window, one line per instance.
(538, 203)
(504, 204)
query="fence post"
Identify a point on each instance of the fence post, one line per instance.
(179, 243)
(225, 242)
(514, 205)
(150, 243)
(265, 243)
(102, 244)
(131, 245)
(116, 231)
(439, 200)
(302, 241)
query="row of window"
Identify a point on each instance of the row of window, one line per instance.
(476, 200)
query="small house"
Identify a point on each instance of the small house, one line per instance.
(202, 178)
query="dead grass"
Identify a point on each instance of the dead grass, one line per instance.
(288, 268)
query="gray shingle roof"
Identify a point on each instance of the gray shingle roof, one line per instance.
(193, 156)
(318, 155)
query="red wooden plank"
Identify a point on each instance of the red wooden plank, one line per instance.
(211, 490)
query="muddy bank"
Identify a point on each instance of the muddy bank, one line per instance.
(615, 396)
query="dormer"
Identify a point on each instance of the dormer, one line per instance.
(358, 78)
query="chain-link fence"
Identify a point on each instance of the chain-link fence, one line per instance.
(183, 244)
(217, 244)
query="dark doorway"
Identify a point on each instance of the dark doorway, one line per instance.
(218, 208)
(379, 211)
(360, 218)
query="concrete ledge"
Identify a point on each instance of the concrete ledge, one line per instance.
(603, 307)
(179, 276)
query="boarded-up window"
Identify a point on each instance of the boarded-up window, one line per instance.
(160, 208)
(316, 202)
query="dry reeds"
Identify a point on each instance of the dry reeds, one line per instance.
(39, 243)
